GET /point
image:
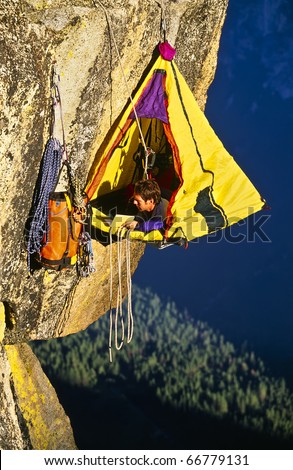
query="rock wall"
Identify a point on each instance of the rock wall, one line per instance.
(76, 35)
(31, 412)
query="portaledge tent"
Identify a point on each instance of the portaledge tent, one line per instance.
(207, 190)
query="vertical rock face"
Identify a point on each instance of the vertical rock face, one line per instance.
(83, 38)
(11, 436)
(37, 421)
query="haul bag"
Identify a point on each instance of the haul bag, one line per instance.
(60, 244)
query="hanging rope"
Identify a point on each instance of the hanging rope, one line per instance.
(129, 289)
(118, 312)
(95, 2)
(111, 294)
(119, 317)
(54, 159)
(119, 302)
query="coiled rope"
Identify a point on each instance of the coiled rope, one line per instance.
(50, 168)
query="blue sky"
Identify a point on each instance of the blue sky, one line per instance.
(244, 289)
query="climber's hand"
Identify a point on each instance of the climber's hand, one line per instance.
(130, 225)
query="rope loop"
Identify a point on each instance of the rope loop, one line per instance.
(118, 322)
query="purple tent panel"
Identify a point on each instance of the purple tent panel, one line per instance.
(151, 103)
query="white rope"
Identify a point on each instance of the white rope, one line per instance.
(126, 84)
(119, 304)
(129, 290)
(146, 164)
(111, 295)
(118, 312)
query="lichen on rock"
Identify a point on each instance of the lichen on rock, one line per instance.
(47, 426)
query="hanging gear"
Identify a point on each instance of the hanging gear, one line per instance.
(64, 226)
(85, 255)
(150, 159)
(57, 227)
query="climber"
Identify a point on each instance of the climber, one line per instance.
(151, 207)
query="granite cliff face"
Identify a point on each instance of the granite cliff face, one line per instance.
(77, 35)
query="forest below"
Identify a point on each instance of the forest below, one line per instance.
(178, 385)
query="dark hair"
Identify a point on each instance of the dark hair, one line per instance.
(148, 189)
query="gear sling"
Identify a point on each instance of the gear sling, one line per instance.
(57, 237)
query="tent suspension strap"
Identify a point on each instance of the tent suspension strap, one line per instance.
(95, 2)
(162, 5)
(56, 99)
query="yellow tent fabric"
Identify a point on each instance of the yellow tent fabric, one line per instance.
(209, 191)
